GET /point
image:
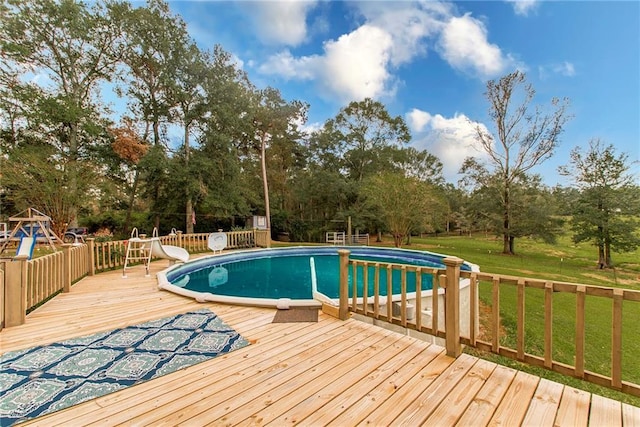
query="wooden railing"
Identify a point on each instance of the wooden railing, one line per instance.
(24, 284)
(111, 255)
(442, 317)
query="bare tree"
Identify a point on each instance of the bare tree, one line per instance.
(525, 136)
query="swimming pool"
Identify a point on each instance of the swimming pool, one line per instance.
(300, 274)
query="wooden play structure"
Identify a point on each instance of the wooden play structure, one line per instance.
(31, 223)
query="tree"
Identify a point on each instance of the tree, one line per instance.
(190, 108)
(361, 134)
(533, 212)
(224, 129)
(157, 47)
(129, 149)
(606, 211)
(36, 176)
(276, 122)
(421, 165)
(75, 48)
(404, 203)
(524, 138)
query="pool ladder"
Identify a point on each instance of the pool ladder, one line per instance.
(138, 249)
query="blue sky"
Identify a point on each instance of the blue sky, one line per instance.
(429, 62)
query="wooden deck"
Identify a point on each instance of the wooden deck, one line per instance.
(326, 373)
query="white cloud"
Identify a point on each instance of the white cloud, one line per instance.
(282, 22)
(351, 68)
(409, 25)
(566, 69)
(362, 63)
(287, 66)
(464, 45)
(355, 65)
(450, 139)
(418, 119)
(523, 7)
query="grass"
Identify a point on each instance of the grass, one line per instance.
(564, 262)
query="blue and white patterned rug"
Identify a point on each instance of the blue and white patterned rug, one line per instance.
(45, 379)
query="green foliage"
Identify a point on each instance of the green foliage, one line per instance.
(403, 203)
(360, 138)
(34, 176)
(605, 212)
(76, 48)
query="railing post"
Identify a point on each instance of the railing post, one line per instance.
(15, 291)
(179, 233)
(66, 268)
(343, 311)
(91, 244)
(452, 306)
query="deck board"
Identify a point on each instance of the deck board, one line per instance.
(332, 372)
(484, 403)
(348, 391)
(544, 405)
(574, 408)
(605, 412)
(515, 403)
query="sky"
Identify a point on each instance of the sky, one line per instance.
(429, 62)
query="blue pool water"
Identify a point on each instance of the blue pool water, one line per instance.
(287, 272)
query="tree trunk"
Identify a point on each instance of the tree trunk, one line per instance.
(73, 173)
(132, 198)
(512, 241)
(602, 262)
(190, 216)
(607, 255)
(189, 204)
(156, 189)
(506, 232)
(265, 184)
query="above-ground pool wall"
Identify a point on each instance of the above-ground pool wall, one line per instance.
(465, 319)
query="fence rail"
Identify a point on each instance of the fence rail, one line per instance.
(447, 310)
(45, 276)
(451, 310)
(548, 292)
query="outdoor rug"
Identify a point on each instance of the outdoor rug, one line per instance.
(296, 315)
(45, 379)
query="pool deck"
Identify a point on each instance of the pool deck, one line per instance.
(331, 372)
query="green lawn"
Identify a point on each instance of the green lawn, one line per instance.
(566, 262)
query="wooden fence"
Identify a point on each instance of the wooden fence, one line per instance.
(409, 311)
(24, 284)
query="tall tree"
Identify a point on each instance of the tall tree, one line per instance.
(361, 134)
(157, 45)
(128, 149)
(404, 203)
(190, 108)
(525, 136)
(276, 122)
(75, 48)
(532, 208)
(216, 167)
(606, 211)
